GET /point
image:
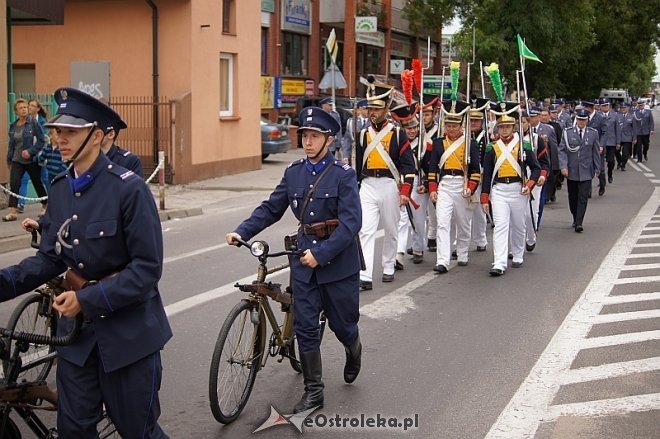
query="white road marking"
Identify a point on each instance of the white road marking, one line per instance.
(653, 236)
(610, 370)
(655, 181)
(649, 229)
(607, 407)
(643, 255)
(636, 280)
(647, 245)
(649, 174)
(531, 404)
(640, 267)
(634, 166)
(626, 316)
(619, 339)
(195, 253)
(392, 305)
(628, 298)
(644, 167)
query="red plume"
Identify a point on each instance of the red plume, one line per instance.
(417, 69)
(407, 85)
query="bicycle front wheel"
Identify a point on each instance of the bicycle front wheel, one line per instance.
(34, 315)
(236, 360)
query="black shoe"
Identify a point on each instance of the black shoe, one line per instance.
(454, 255)
(462, 263)
(432, 244)
(623, 168)
(398, 265)
(646, 158)
(496, 272)
(510, 256)
(553, 199)
(516, 264)
(312, 373)
(388, 278)
(610, 180)
(601, 192)
(573, 225)
(418, 259)
(639, 160)
(441, 269)
(530, 247)
(578, 229)
(481, 248)
(409, 251)
(353, 360)
(366, 285)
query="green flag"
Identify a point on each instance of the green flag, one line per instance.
(525, 52)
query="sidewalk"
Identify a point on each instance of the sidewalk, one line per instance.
(180, 200)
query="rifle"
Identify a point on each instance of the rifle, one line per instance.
(521, 149)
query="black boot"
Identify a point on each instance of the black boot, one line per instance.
(353, 360)
(312, 372)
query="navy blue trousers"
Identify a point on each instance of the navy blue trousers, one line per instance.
(130, 395)
(339, 300)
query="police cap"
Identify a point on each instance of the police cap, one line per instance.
(77, 109)
(317, 119)
(582, 113)
(363, 103)
(326, 101)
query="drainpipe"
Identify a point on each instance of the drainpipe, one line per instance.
(154, 68)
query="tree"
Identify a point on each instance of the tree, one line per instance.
(427, 17)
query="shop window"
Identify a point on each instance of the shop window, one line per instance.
(226, 84)
(295, 54)
(229, 16)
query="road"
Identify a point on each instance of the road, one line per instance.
(566, 346)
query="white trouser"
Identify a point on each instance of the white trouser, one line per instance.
(479, 223)
(419, 218)
(379, 198)
(452, 203)
(509, 208)
(529, 226)
(402, 231)
(432, 222)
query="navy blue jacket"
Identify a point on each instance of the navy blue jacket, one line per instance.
(335, 197)
(113, 228)
(125, 159)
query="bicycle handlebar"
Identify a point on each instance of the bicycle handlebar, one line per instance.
(41, 339)
(266, 254)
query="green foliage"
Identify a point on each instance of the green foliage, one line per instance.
(427, 17)
(585, 45)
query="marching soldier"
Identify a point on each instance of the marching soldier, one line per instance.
(580, 161)
(507, 187)
(646, 126)
(564, 115)
(609, 139)
(627, 133)
(453, 178)
(550, 186)
(539, 141)
(101, 228)
(479, 223)
(385, 159)
(322, 193)
(431, 132)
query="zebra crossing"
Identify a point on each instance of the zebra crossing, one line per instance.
(604, 360)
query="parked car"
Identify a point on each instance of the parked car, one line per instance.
(274, 138)
(344, 107)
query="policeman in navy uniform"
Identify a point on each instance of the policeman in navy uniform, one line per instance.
(102, 223)
(627, 133)
(326, 276)
(646, 126)
(580, 161)
(609, 139)
(119, 155)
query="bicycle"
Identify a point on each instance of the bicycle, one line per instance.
(27, 354)
(241, 343)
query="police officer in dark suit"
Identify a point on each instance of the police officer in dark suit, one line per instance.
(119, 155)
(326, 276)
(102, 225)
(580, 161)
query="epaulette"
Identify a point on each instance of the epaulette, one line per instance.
(59, 176)
(121, 172)
(344, 166)
(126, 153)
(489, 147)
(297, 162)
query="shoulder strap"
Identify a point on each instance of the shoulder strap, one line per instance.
(310, 194)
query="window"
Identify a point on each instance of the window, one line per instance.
(229, 16)
(295, 54)
(226, 84)
(264, 51)
(24, 78)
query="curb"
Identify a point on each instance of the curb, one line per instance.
(166, 214)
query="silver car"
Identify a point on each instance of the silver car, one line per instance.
(274, 138)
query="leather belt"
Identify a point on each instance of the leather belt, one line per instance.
(454, 172)
(378, 173)
(507, 180)
(321, 229)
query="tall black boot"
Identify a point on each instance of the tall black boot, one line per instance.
(312, 373)
(353, 360)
